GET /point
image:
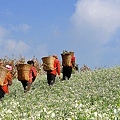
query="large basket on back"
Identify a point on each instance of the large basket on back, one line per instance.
(23, 72)
(3, 73)
(48, 63)
(66, 59)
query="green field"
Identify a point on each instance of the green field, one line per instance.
(88, 95)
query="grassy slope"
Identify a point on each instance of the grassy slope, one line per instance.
(86, 96)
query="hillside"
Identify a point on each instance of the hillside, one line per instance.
(88, 95)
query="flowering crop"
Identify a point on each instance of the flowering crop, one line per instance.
(90, 95)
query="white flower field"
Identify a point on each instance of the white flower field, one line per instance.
(90, 95)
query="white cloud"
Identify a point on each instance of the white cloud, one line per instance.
(95, 24)
(3, 33)
(22, 27)
(9, 46)
(101, 15)
(17, 47)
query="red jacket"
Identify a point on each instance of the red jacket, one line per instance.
(56, 68)
(32, 74)
(73, 59)
(7, 82)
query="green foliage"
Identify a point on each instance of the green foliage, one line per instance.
(90, 95)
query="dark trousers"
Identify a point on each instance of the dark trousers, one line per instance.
(67, 71)
(2, 93)
(24, 84)
(50, 78)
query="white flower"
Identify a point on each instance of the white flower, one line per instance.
(80, 105)
(68, 119)
(95, 114)
(76, 105)
(8, 111)
(100, 116)
(115, 111)
(44, 109)
(53, 115)
(49, 112)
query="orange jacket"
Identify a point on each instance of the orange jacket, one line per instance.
(32, 74)
(56, 68)
(7, 82)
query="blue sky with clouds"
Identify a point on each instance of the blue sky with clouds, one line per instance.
(90, 28)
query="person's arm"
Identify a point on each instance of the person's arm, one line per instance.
(9, 78)
(73, 61)
(58, 68)
(34, 72)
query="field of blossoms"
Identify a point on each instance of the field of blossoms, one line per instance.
(90, 95)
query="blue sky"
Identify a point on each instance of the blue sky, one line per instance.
(39, 28)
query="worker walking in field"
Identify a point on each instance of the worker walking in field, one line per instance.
(30, 76)
(68, 63)
(5, 80)
(52, 69)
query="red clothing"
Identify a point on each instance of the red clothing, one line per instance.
(56, 67)
(73, 59)
(8, 79)
(32, 74)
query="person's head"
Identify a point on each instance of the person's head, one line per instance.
(30, 62)
(55, 56)
(72, 53)
(9, 67)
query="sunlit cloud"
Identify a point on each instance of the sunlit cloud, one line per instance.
(99, 16)
(95, 24)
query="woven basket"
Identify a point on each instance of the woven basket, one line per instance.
(3, 73)
(66, 59)
(23, 72)
(48, 63)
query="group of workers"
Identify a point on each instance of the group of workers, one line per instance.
(51, 75)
